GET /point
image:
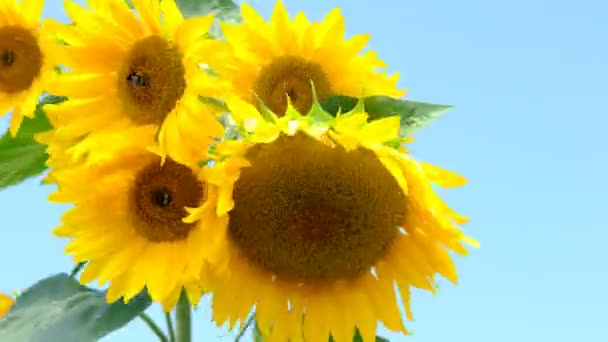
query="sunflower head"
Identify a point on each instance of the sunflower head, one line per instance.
(324, 216)
(25, 66)
(139, 67)
(129, 224)
(279, 60)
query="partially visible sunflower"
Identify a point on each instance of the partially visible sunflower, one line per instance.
(6, 302)
(25, 66)
(127, 221)
(280, 59)
(323, 216)
(136, 68)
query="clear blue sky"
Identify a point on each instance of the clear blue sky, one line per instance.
(529, 82)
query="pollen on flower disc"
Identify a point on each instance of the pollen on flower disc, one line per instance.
(152, 80)
(291, 76)
(309, 212)
(20, 59)
(158, 199)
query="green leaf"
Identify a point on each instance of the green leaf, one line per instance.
(22, 157)
(224, 10)
(60, 308)
(358, 338)
(257, 335)
(414, 115)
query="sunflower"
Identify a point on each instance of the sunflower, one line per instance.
(130, 68)
(280, 59)
(323, 216)
(128, 223)
(25, 67)
(6, 302)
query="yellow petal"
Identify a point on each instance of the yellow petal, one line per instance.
(149, 12)
(252, 18)
(382, 130)
(96, 57)
(16, 120)
(442, 177)
(124, 16)
(317, 321)
(191, 30)
(172, 16)
(32, 10)
(83, 86)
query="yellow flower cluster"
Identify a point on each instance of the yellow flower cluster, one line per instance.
(308, 218)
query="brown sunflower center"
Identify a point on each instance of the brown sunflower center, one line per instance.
(159, 197)
(20, 59)
(291, 76)
(152, 80)
(309, 212)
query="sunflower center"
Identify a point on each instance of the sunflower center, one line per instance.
(309, 212)
(152, 80)
(159, 197)
(20, 59)
(291, 76)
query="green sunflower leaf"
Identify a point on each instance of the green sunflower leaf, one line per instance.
(59, 309)
(414, 115)
(224, 10)
(21, 157)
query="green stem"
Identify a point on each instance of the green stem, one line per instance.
(182, 315)
(77, 269)
(155, 329)
(170, 326)
(244, 330)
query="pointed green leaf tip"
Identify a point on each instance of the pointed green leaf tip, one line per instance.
(414, 115)
(358, 338)
(22, 157)
(59, 309)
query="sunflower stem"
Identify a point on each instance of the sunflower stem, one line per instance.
(244, 330)
(155, 328)
(182, 316)
(169, 320)
(77, 269)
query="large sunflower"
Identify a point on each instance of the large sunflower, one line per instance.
(128, 223)
(130, 68)
(278, 59)
(324, 216)
(24, 64)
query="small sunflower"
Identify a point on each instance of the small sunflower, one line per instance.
(324, 216)
(280, 59)
(128, 223)
(130, 68)
(6, 302)
(24, 64)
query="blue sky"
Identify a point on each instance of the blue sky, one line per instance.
(528, 79)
